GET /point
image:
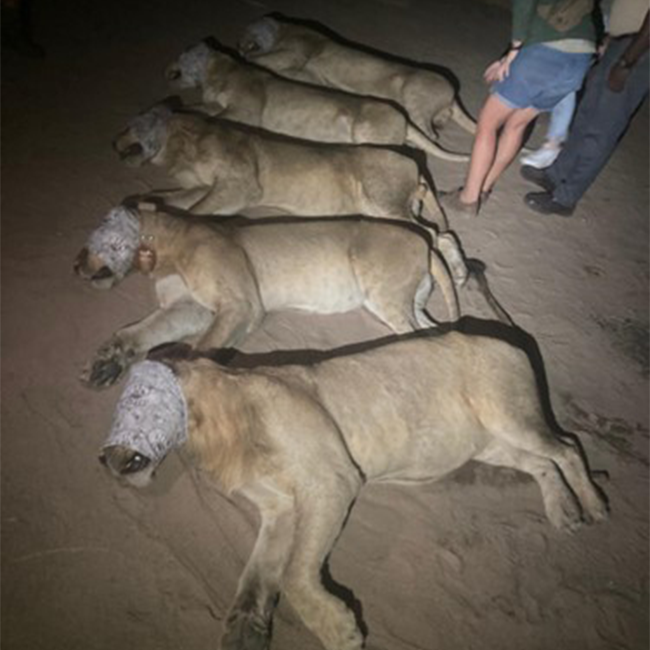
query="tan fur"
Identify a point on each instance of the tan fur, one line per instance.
(225, 168)
(301, 53)
(242, 92)
(215, 283)
(228, 439)
(309, 437)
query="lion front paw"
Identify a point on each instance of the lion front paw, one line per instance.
(109, 365)
(246, 631)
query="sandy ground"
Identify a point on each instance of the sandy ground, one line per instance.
(467, 563)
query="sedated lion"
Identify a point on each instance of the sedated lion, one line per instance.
(299, 441)
(299, 52)
(225, 168)
(240, 91)
(216, 281)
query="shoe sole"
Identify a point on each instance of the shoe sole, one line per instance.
(529, 176)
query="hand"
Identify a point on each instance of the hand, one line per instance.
(602, 47)
(617, 77)
(500, 69)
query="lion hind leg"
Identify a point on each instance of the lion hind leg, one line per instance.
(544, 453)
(426, 208)
(568, 456)
(320, 523)
(393, 311)
(561, 507)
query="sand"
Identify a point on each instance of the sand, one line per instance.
(470, 562)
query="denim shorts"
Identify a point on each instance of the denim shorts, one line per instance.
(540, 76)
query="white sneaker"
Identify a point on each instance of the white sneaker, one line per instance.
(543, 157)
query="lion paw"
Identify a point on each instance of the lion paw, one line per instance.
(109, 365)
(563, 512)
(246, 631)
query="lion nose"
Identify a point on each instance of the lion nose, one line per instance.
(173, 74)
(247, 47)
(81, 261)
(132, 150)
(103, 274)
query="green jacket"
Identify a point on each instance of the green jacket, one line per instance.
(541, 21)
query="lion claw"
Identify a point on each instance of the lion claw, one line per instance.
(246, 631)
(108, 367)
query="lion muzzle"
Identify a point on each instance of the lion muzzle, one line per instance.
(88, 267)
(173, 73)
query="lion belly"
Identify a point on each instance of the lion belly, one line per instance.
(307, 181)
(313, 272)
(406, 410)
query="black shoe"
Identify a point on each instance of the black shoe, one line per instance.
(537, 176)
(544, 203)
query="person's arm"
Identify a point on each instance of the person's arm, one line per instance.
(522, 11)
(620, 71)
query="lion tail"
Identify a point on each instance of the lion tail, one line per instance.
(479, 279)
(416, 138)
(441, 275)
(461, 118)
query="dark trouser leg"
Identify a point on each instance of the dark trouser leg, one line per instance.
(601, 119)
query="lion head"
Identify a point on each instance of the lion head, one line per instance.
(260, 37)
(110, 250)
(145, 136)
(189, 70)
(150, 420)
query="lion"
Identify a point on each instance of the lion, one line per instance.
(298, 52)
(225, 168)
(300, 441)
(215, 282)
(242, 92)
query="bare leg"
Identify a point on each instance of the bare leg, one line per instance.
(492, 117)
(509, 144)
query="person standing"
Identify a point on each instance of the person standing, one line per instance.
(553, 42)
(615, 89)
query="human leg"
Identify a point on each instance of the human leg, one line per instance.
(601, 119)
(561, 116)
(557, 133)
(509, 144)
(492, 117)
